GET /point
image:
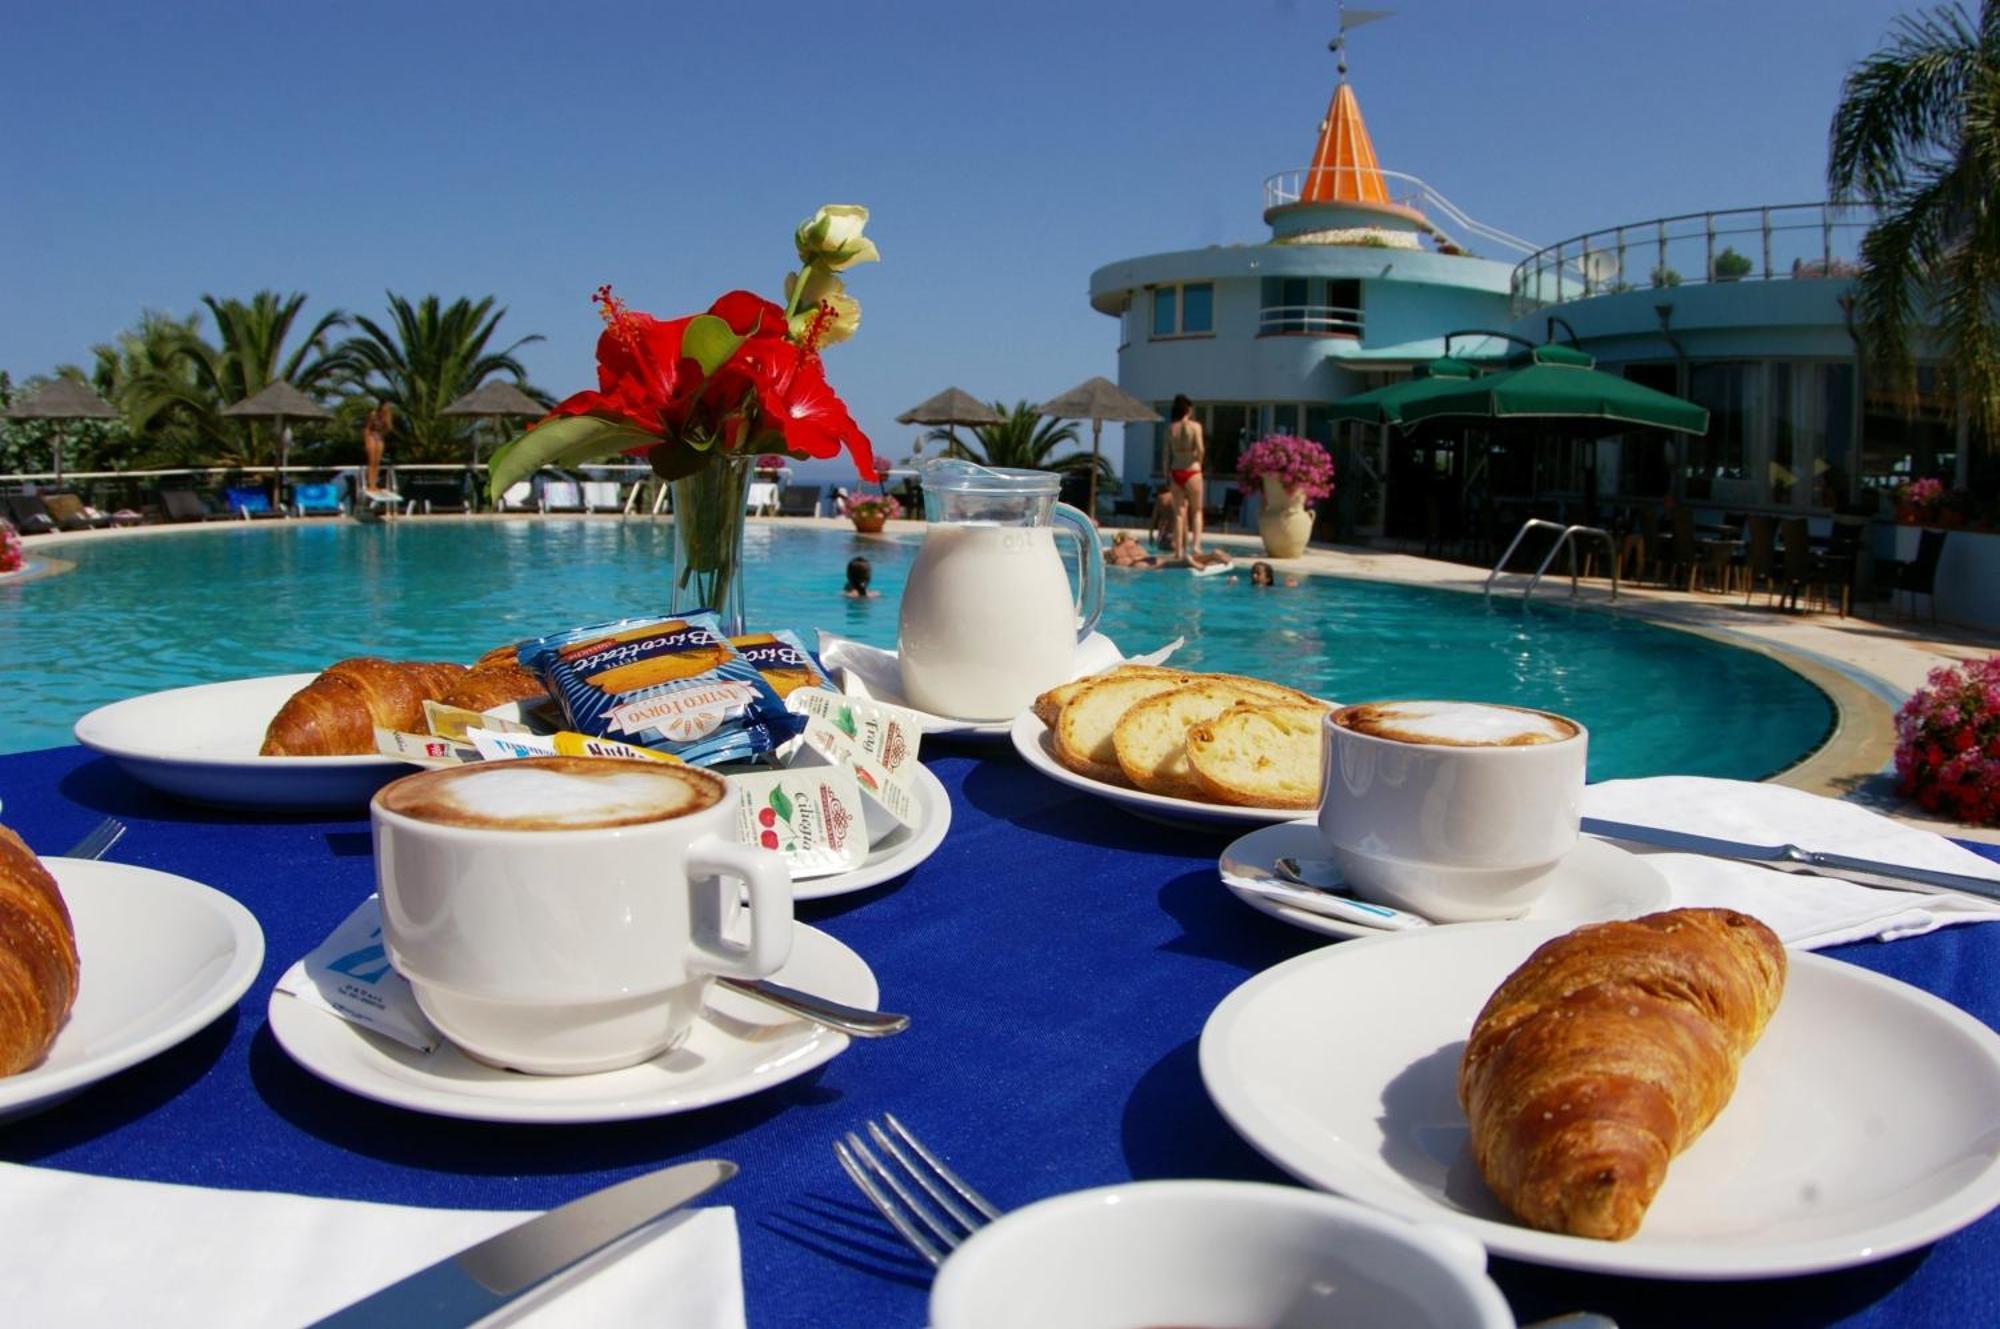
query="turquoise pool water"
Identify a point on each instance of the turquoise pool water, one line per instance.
(185, 607)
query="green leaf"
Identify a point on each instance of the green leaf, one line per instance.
(845, 722)
(781, 804)
(564, 442)
(710, 342)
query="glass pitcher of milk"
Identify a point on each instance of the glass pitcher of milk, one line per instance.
(988, 621)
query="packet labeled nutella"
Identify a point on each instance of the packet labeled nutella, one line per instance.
(812, 815)
(878, 742)
(498, 745)
(452, 721)
(783, 660)
(423, 749)
(349, 975)
(672, 684)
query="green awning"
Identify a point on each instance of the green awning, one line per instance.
(1385, 405)
(1559, 383)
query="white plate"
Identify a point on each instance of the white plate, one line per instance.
(896, 853)
(1032, 740)
(161, 957)
(1595, 881)
(1862, 1124)
(201, 743)
(738, 1047)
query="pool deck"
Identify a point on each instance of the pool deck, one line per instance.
(1867, 666)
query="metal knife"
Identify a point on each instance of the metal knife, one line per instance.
(465, 1288)
(1791, 858)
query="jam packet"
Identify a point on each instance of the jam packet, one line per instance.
(811, 815)
(878, 742)
(673, 684)
(783, 660)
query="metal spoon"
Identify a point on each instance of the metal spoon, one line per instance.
(820, 1010)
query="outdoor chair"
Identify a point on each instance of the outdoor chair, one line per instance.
(1798, 571)
(433, 493)
(184, 505)
(561, 496)
(1681, 554)
(1919, 575)
(602, 496)
(519, 497)
(1840, 565)
(249, 502)
(799, 501)
(318, 500)
(29, 514)
(71, 513)
(1760, 556)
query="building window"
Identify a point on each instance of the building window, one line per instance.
(1184, 311)
(1310, 306)
(1729, 389)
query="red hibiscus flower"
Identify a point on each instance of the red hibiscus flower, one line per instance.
(797, 401)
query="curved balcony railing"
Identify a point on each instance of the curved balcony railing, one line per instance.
(1405, 191)
(1308, 321)
(1780, 242)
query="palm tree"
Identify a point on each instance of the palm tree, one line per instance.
(145, 374)
(430, 356)
(247, 356)
(1917, 135)
(1024, 441)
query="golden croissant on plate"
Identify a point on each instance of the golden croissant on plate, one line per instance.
(337, 713)
(38, 958)
(1606, 1054)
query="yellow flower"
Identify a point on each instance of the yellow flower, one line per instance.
(822, 287)
(831, 238)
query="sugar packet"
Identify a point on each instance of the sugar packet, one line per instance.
(349, 975)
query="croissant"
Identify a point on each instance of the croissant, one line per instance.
(497, 657)
(487, 686)
(38, 959)
(337, 713)
(1606, 1054)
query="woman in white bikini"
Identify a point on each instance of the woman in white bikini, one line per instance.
(1185, 450)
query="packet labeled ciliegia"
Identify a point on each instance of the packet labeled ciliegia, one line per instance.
(349, 975)
(877, 741)
(812, 815)
(672, 684)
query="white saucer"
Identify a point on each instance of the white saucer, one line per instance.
(738, 1047)
(1861, 1126)
(1032, 741)
(201, 743)
(161, 958)
(896, 853)
(1595, 881)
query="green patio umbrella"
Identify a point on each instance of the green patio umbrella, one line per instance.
(1386, 405)
(1559, 383)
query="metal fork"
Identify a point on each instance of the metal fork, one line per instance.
(925, 1228)
(98, 843)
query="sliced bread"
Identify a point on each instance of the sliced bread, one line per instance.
(1084, 728)
(1275, 692)
(1151, 738)
(1049, 705)
(1259, 756)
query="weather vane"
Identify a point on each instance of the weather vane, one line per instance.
(1351, 18)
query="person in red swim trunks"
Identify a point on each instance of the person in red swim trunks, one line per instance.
(1185, 449)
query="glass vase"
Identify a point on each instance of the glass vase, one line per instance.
(709, 517)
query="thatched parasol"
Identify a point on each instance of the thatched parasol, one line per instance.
(278, 402)
(953, 406)
(496, 399)
(62, 399)
(1096, 400)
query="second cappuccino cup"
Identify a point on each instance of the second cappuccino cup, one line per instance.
(563, 915)
(1458, 811)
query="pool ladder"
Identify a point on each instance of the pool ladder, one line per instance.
(1566, 539)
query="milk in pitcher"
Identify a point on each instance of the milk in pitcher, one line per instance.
(988, 622)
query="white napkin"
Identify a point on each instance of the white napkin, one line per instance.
(869, 671)
(1807, 912)
(89, 1251)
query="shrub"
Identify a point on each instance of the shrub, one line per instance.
(1730, 265)
(1294, 462)
(1948, 743)
(869, 506)
(10, 547)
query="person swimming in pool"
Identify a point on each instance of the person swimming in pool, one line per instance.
(859, 572)
(1261, 574)
(1186, 448)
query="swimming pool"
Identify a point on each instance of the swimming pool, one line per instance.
(165, 610)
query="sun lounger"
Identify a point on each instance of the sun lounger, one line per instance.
(561, 496)
(799, 501)
(183, 505)
(318, 500)
(72, 513)
(602, 496)
(434, 493)
(249, 502)
(519, 497)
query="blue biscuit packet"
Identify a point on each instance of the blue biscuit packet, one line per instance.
(673, 684)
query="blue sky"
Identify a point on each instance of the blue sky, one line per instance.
(153, 153)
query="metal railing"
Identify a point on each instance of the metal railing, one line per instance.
(1778, 242)
(1565, 540)
(1308, 320)
(1404, 191)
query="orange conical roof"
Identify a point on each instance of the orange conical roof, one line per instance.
(1343, 166)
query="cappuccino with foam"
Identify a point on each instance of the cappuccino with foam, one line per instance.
(1457, 724)
(553, 794)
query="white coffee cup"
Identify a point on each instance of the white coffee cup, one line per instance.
(1457, 811)
(563, 915)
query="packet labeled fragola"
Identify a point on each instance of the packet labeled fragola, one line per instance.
(878, 742)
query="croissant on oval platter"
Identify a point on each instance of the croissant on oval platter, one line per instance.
(1606, 1054)
(337, 713)
(39, 967)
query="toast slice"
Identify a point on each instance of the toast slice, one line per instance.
(1259, 756)
(1049, 705)
(1084, 728)
(1272, 692)
(1151, 738)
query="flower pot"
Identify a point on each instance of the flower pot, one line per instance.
(1285, 521)
(868, 524)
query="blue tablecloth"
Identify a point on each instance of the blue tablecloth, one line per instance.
(1060, 958)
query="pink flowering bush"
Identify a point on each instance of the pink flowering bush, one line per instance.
(869, 506)
(1948, 743)
(11, 557)
(1294, 462)
(1920, 500)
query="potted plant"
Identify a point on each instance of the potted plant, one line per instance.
(1292, 473)
(11, 558)
(1920, 502)
(1948, 743)
(869, 512)
(1730, 265)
